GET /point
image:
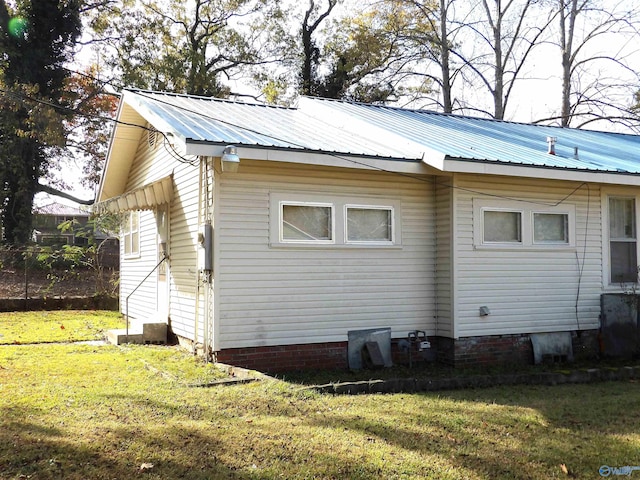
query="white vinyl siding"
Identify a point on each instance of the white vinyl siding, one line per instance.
(444, 262)
(140, 304)
(150, 165)
(533, 286)
(272, 294)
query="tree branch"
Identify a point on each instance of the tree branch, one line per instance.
(58, 193)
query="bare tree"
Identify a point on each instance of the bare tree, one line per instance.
(503, 35)
(432, 36)
(598, 80)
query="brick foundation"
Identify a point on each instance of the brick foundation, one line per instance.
(288, 358)
(467, 351)
(493, 350)
(506, 349)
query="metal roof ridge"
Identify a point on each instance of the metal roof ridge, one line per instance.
(463, 116)
(151, 95)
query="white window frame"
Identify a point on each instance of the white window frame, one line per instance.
(332, 215)
(527, 214)
(128, 235)
(339, 204)
(550, 242)
(484, 210)
(611, 285)
(387, 208)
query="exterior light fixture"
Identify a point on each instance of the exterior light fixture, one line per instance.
(484, 311)
(230, 159)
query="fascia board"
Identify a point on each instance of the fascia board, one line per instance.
(122, 147)
(486, 168)
(328, 159)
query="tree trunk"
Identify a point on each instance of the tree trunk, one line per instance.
(447, 102)
(567, 31)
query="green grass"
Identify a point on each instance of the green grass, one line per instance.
(90, 412)
(56, 326)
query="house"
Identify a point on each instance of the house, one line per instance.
(47, 219)
(263, 236)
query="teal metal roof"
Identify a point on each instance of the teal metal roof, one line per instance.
(337, 127)
(481, 139)
(208, 120)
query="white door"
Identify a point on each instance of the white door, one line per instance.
(162, 223)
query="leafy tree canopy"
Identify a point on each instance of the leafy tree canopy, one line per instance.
(36, 38)
(192, 47)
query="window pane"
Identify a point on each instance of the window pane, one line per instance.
(622, 244)
(130, 234)
(502, 226)
(623, 262)
(134, 221)
(550, 227)
(303, 222)
(135, 242)
(126, 225)
(622, 218)
(369, 225)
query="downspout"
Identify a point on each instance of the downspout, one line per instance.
(197, 266)
(208, 261)
(208, 270)
(436, 250)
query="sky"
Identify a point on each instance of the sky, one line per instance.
(535, 96)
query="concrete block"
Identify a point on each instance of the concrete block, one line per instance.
(154, 333)
(120, 337)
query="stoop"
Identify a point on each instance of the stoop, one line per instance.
(119, 336)
(148, 333)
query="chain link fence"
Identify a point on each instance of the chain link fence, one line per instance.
(41, 272)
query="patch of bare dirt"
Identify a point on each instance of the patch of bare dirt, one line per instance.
(38, 283)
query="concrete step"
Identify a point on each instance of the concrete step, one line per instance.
(147, 333)
(119, 336)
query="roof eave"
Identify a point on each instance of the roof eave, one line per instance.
(121, 152)
(457, 165)
(312, 157)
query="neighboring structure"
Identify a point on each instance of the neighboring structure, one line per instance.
(48, 218)
(344, 217)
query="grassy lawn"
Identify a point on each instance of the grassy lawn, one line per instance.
(91, 412)
(59, 326)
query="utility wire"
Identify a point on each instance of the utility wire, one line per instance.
(180, 158)
(27, 98)
(353, 161)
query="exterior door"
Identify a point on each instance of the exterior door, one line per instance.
(162, 223)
